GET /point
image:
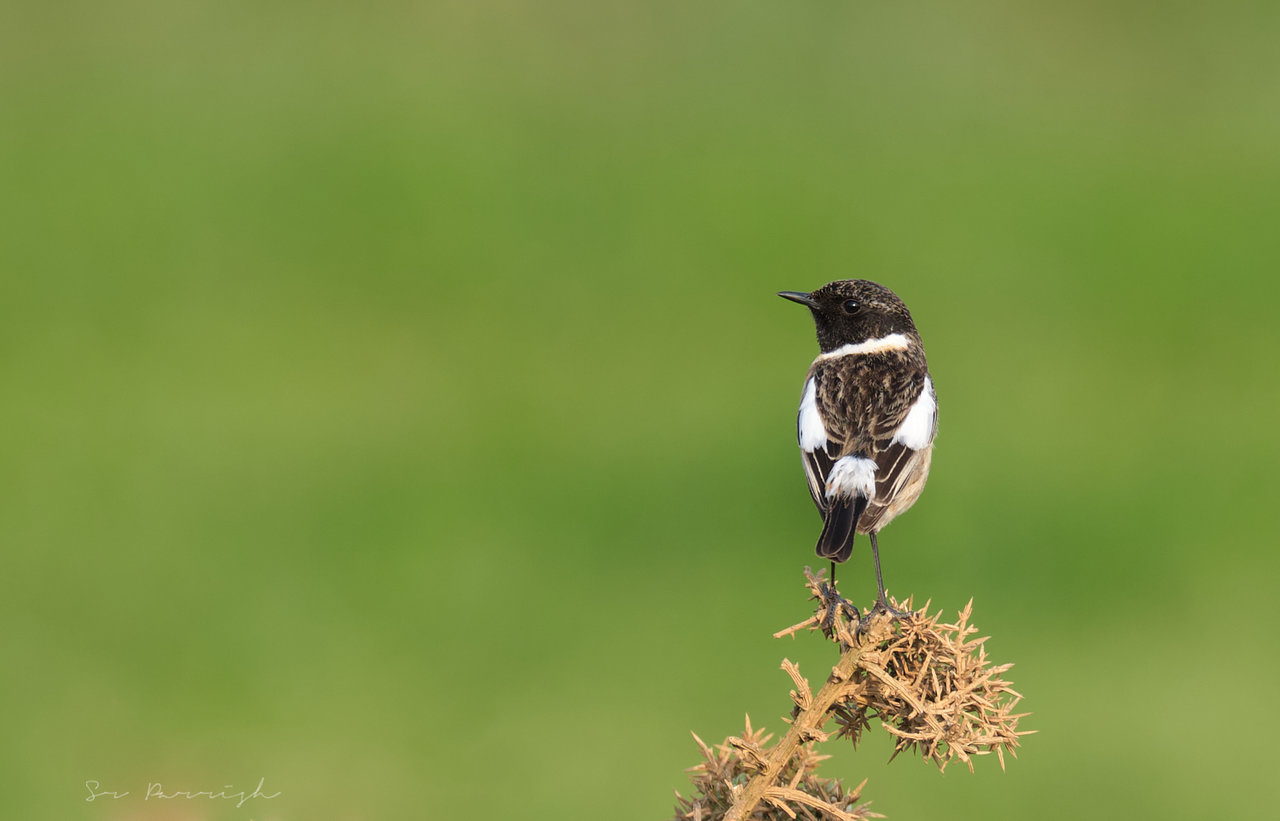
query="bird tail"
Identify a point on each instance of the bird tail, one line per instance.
(839, 527)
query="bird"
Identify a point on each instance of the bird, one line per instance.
(868, 416)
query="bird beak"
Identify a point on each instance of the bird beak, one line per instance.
(799, 296)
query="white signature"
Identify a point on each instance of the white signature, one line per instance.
(155, 792)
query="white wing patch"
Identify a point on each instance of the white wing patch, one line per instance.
(813, 434)
(916, 430)
(852, 476)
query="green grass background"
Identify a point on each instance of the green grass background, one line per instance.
(396, 405)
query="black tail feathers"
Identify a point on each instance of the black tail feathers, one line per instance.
(839, 527)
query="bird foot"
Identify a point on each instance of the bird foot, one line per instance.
(881, 606)
(837, 604)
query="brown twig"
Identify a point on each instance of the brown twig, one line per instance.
(805, 727)
(930, 685)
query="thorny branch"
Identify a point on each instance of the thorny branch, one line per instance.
(929, 683)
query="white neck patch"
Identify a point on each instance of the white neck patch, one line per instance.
(892, 342)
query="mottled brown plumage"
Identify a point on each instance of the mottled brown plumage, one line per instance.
(863, 400)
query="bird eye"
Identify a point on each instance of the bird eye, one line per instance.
(851, 306)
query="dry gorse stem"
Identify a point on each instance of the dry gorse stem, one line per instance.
(792, 791)
(929, 683)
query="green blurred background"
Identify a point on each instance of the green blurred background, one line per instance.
(396, 406)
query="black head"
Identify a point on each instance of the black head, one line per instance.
(854, 310)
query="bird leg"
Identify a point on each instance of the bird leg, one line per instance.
(837, 603)
(882, 601)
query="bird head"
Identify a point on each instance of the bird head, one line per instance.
(852, 311)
